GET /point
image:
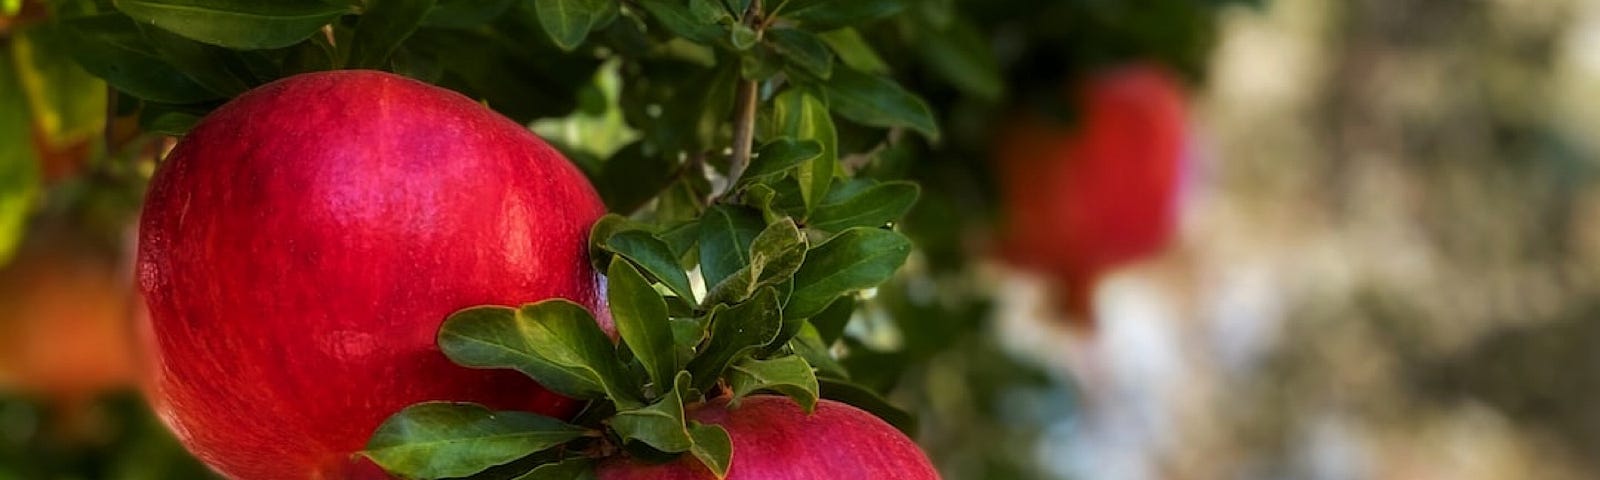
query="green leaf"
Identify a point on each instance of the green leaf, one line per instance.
(725, 235)
(789, 375)
(556, 342)
(779, 156)
(808, 344)
(855, 259)
(823, 15)
(803, 49)
(831, 321)
(19, 167)
(655, 257)
(569, 469)
(442, 439)
(641, 318)
(682, 238)
(660, 425)
(877, 101)
(713, 447)
(803, 116)
(775, 254)
(741, 36)
(860, 397)
(959, 54)
(169, 119)
(111, 47)
(464, 13)
(683, 21)
(217, 69)
(568, 21)
(735, 332)
(383, 25)
(872, 207)
(854, 51)
(237, 24)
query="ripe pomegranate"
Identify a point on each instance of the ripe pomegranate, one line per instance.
(1083, 198)
(774, 439)
(65, 334)
(300, 247)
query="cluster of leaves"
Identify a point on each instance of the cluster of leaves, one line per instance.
(754, 260)
(722, 284)
(735, 269)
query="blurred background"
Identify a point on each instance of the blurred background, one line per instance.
(1363, 242)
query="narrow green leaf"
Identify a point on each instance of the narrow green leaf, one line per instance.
(879, 102)
(789, 375)
(865, 399)
(655, 257)
(383, 25)
(779, 156)
(568, 21)
(803, 49)
(855, 259)
(237, 24)
(556, 342)
(775, 254)
(570, 469)
(735, 332)
(725, 235)
(823, 15)
(713, 447)
(641, 318)
(803, 116)
(872, 207)
(660, 425)
(441, 439)
(854, 51)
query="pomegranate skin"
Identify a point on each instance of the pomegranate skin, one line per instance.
(774, 439)
(1083, 199)
(300, 247)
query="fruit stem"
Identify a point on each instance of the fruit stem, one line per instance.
(744, 111)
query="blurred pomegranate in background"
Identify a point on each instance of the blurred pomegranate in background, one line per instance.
(65, 335)
(1080, 198)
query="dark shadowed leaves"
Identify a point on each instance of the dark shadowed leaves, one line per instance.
(237, 24)
(735, 332)
(383, 25)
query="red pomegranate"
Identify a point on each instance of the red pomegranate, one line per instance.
(774, 439)
(1085, 197)
(300, 247)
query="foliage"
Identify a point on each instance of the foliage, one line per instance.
(756, 154)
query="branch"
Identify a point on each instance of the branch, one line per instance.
(744, 111)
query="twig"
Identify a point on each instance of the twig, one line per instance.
(744, 112)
